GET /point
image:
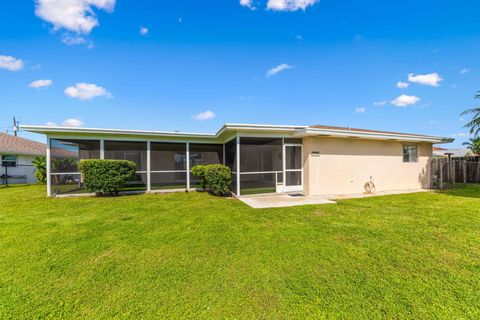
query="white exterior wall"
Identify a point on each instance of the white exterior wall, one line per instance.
(24, 168)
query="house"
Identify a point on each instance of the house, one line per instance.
(315, 160)
(16, 155)
(454, 153)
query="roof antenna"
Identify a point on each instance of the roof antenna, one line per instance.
(15, 128)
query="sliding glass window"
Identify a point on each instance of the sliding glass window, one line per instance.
(65, 155)
(168, 165)
(133, 151)
(204, 154)
(261, 165)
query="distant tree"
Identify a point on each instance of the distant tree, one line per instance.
(474, 124)
(473, 144)
(40, 165)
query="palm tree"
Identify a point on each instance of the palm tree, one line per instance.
(473, 144)
(474, 124)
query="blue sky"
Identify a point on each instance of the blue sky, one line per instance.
(199, 64)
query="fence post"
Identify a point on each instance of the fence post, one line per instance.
(465, 172)
(454, 167)
(478, 170)
(441, 174)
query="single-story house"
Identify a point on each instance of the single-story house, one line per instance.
(315, 160)
(16, 158)
(454, 153)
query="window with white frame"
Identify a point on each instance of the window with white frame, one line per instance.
(9, 161)
(410, 153)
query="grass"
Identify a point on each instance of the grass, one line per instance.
(196, 256)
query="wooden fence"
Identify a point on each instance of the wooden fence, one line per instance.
(449, 172)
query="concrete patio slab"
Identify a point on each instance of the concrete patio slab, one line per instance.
(282, 200)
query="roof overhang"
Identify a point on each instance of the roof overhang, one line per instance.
(231, 129)
(348, 133)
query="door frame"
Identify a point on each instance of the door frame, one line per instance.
(285, 170)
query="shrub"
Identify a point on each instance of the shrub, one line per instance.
(218, 178)
(106, 175)
(40, 165)
(199, 172)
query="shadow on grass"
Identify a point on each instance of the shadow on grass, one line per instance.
(468, 191)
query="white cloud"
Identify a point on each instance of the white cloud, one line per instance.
(461, 134)
(464, 70)
(248, 4)
(402, 85)
(290, 5)
(41, 83)
(144, 31)
(380, 103)
(278, 69)
(202, 116)
(73, 40)
(10, 63)
(432, 79)
(404, 100)
(73, 15)
(73, 123)
(434, 122)
(360, 110)
(51, 124)
(86, 91)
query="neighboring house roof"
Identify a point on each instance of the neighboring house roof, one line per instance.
(16, 145)
(438, 149)
(229, 130)
(453, 152)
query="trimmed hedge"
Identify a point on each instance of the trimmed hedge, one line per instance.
(106, 175)
(199, 172)
(218, 178)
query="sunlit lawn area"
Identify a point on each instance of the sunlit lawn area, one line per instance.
(196, 256)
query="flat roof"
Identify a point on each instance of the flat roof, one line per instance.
(284, 130)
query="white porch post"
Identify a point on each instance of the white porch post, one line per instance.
(49, 169)
(284, 164)
(102, 149)
(148, 166)
(238, 165)
(188, 165)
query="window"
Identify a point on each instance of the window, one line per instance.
(9, 161)
(410, 153)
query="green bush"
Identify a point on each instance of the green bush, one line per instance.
(218, 179)
(40, 165)
(199, 172)
(106, 175)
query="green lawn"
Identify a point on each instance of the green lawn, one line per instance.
(200, 257)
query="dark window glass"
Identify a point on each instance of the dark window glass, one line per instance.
(293, 140)
(9, 161)
(127, 150)
(231, 155)
(293, 178)
(293, 157)
(168, 156)
(65, 153)
(260, 154)
(410, 153)
(67, 183)
(257, 183)
(168, 180)
(204, 154)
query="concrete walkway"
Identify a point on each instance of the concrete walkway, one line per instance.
(279, 200)
(282, 200)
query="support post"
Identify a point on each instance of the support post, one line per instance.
(49, 168)
(188, 165)
(465, 172)
(102, 149)
(238, 165)
(149, 188)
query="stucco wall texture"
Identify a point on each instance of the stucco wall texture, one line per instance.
(343, 166)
